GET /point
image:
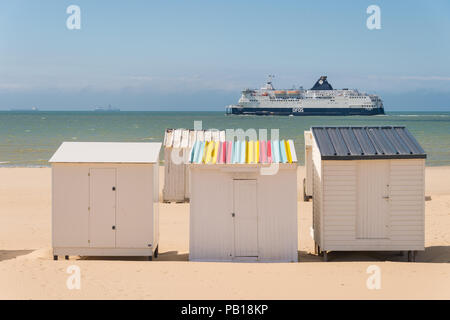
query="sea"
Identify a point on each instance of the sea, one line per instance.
(29, 138)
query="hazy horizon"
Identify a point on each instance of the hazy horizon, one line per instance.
(178, 109)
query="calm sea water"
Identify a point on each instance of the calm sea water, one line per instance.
(30, 138)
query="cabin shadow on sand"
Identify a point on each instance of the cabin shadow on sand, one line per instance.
(163, 256)
(12, 254)
(433, 254)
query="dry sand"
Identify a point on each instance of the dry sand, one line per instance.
(27, 270)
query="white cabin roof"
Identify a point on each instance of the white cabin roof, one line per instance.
(107, 152)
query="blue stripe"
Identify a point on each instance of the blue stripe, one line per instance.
(283, 152)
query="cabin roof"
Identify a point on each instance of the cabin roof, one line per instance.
(107, 152)
(371, 142)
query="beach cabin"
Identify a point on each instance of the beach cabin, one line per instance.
(243, 204)
(105, 199)
(368, 190)
(177, 149)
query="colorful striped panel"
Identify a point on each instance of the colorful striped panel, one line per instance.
(247, 147)
(263, 152)
(209, 154)
(250, 152)
(201, 151)
(237, 152)
(288, 151)
(223, 152)
(219, 153)
(243, 149)
(276, 151)
(257, 151)
(198, 151)
(292, 148)
(229, 158)
(215, 154)
(192, 155)
(205, 151)
(224, 149)
(269, 151)
(283, 155)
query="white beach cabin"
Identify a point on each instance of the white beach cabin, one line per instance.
(243, 204)
(105, 199)
(368, 190)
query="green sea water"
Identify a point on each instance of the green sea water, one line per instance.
(30, 138)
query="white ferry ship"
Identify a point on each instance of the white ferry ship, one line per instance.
(320, 100)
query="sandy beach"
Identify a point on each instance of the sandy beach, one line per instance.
(27, 270)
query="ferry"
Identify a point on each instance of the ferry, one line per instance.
(320, 100)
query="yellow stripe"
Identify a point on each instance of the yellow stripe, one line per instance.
(251, 153)
(216, 152)
(246, 151)
(205, 151)
(288, 151)
(209, 152)
(257, 151)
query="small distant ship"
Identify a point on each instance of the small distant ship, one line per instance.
(30, 109)
(320, 100)
(108, 109)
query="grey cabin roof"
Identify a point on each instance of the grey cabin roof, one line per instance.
(378, 142)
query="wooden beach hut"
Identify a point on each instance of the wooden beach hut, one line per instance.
(368, 189)
(243, 204)
(105, 199)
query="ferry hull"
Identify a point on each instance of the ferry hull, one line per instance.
(306, 111)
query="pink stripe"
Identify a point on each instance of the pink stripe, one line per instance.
(229, 151)
(262, 151)
(269, 152)
(219, 154)
(224, 152)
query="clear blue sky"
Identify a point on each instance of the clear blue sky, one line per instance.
(198, 55)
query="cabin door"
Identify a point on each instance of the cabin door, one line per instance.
(373, 199)
(245, 220)
(102, 208)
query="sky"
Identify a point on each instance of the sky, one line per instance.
(198, 55)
